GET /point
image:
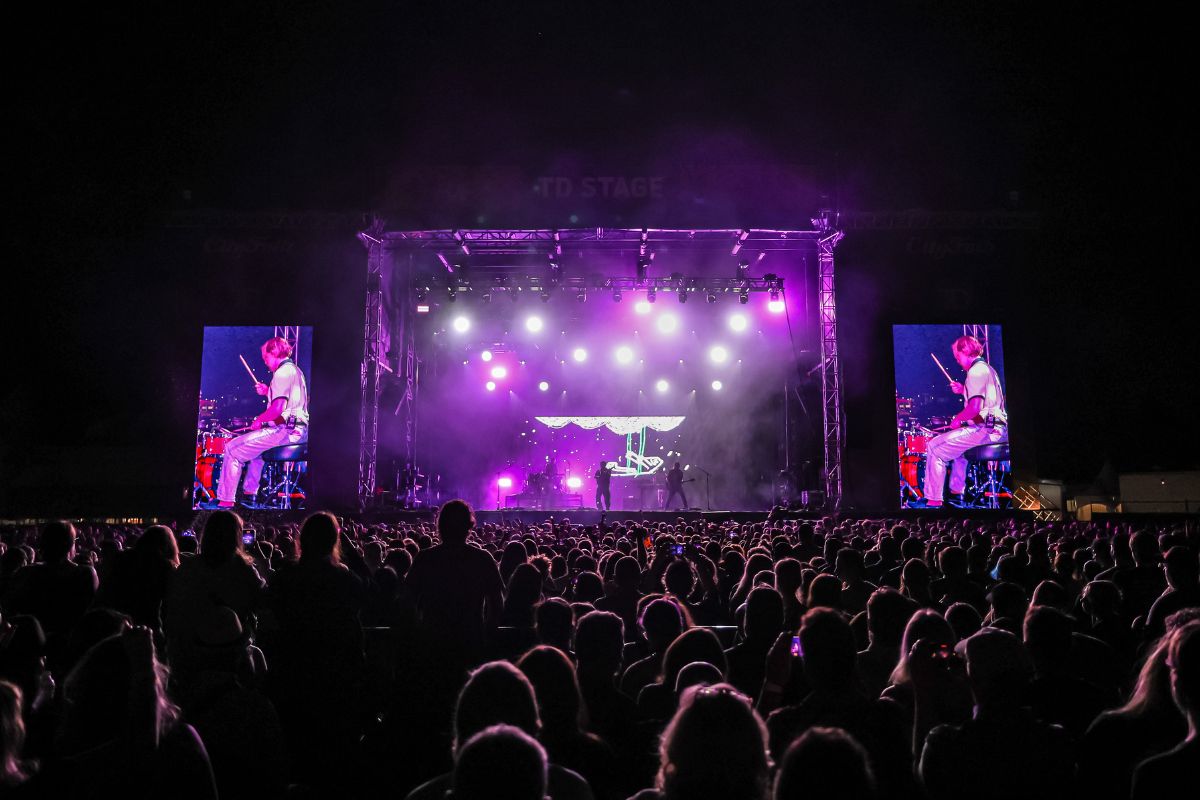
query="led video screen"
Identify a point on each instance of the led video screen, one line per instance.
(253, 423)
(952, 434)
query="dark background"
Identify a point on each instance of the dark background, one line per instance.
(119, 122)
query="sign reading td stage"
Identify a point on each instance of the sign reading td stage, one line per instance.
(617, 187)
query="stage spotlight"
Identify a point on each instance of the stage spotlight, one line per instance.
(486, 355)
(544, 386)
(486, 296)
(499, 372)
(624, 354)
(616, 295)
(581, 296)
(490, 386)
(579, 354)
(667, 323)
(574, 483)
(718, 354)
(743, 269)
(423, 309)
(505, 483)
(642, 307)
(533, 324)
(717, 386)
(744, 297)
(738, 322)
(662, 385)
(712, 296)
(462, 324)
(775, 306)
(451, 294)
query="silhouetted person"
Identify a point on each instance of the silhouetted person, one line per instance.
(888, 613)
(1055, 694)
(14, 770)
(497, 693)
(827, 658)
(56, 590)
(560, 705)
(1003, 751)
(748, 659)
(137, 583)
(456, 587)
(714, 747)
(661, 623)
(221, 575)
(1149, 723)
(500, 763)
(825, 763)
(1183, 588)
(1166, 774)
(120, 735)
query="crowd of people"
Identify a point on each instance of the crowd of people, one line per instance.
(441, 658)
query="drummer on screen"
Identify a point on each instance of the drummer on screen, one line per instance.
(983, 420)
(285, 421)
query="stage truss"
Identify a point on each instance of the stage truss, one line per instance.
(498, 261)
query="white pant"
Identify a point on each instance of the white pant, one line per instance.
(246, 451)
(949, 448)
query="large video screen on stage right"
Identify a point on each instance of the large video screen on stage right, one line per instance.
(952, 436)
(252, 430)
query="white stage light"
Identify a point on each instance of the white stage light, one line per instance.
(486, 355)
(717, 386)
(662, 385)
(738, 322)
(624, 354)
(642, 307)
(533, 324)
(491, 386)
(667, 323)
(718, 354)
(579, 354)
(462, 324)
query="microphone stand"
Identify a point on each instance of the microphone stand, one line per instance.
(707, 496)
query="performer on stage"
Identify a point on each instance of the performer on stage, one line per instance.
(983, 420)
(675, 486)
(603, 478)
(285, 421)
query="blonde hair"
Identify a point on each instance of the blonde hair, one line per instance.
(278, 347)
(969, 346)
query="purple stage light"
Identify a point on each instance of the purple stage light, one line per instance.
(775, 306)
(574, 483)
(667, 323)
(717, 386)
(718, 354)
(642, 307)
(490, 386)
(534, 324)
(579, 354)
(662, 385)
(544, 386)
(505, 483)
(738, 322)
(499, 372)
(462, 324)
(486, 355)
(624, 354)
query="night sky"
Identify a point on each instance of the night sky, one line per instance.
(120, 118)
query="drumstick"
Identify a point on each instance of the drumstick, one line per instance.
(256, 381)
(931, 355)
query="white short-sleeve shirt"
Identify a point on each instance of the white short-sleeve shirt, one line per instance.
(983, 382)
(288, 382)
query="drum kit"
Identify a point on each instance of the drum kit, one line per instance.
(210, 451)
(280, 479)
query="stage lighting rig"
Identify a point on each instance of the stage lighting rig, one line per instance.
(744, 297)
(643, 268)
(616, 294)
(451, 293)
(743, 269)
(712, 295)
